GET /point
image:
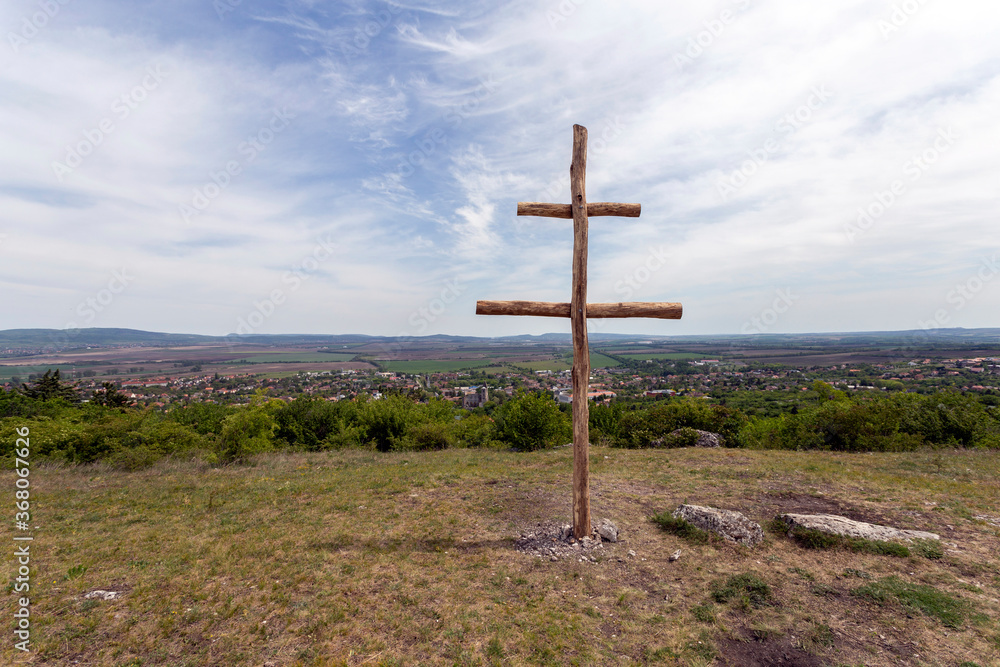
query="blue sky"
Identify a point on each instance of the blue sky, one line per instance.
(214, 166)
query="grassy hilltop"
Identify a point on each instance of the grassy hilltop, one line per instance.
(357, 557)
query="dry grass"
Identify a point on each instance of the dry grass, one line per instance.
(355, 557)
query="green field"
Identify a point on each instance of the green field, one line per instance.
(597, 360)
(435, 365)
(659, 356)
(7, 372)
(297, 357)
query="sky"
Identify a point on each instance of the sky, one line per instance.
(249, 166)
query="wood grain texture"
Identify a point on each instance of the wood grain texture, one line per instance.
(663, 310)
(602, 208)
(581, 350)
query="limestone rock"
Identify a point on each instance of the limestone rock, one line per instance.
(839, 525)
(102, 595)
(607, 530)
(733, 526)
(690, 437)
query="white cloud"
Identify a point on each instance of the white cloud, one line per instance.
(413, 131)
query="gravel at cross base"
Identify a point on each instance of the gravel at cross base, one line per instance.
(555, 541)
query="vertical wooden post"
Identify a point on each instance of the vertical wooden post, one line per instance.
(581, 351)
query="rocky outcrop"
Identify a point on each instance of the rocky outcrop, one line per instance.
(733, 526)
(839, 525)
(689, 437)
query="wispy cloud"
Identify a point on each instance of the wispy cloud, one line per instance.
(418, 127)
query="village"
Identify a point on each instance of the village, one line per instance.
(472, 389)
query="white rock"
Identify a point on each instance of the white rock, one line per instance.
(839, 525)
(733, 526)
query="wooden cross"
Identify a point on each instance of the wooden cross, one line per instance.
(578, 310)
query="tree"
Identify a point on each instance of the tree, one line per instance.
(530, 422)
(249, 430)
(110, 397)
(49, 386)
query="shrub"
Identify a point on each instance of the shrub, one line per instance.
(385, 421)
(475, 431)
(529, 422)
(684, 437)
(249, 430)
(203, 418)
(644, 428)
(422, 437)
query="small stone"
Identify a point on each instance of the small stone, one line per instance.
(554, 558)
(631, 553)
(104, 595)
(607, 530)
(674, 556)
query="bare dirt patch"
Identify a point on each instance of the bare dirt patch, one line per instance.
(751, 650)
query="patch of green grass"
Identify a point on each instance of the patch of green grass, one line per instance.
(820, 635)
(810, 538)
(704, 613)
(702, 649)
(928, 549)
(659, 655)
(854, 572)
(879, 548)
(802, 573)
(824, 591)
(747, 587)
(681, 528)
(949, 610)
(75, 572)
(776, 526)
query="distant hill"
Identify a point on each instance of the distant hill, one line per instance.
(63, 339)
